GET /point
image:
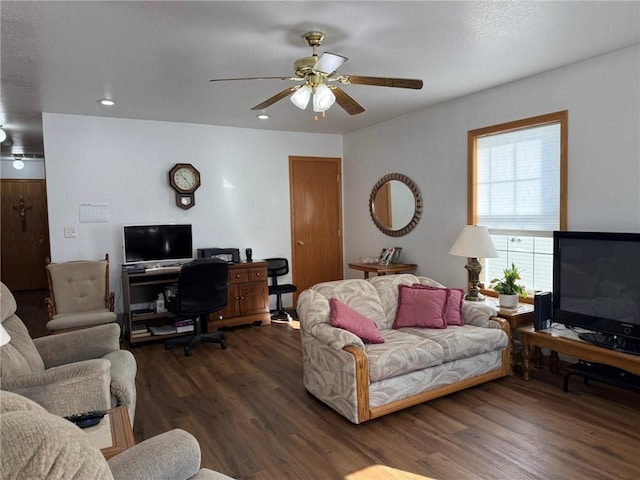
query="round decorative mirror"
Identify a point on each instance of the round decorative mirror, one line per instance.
(395, 204)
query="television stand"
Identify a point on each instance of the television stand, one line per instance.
(602, 373)
(567, 341)
(612, 342)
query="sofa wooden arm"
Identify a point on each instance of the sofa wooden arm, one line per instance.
(362, 381)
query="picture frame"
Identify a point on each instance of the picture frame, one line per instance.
(390, 255)
(395, 258)
(387, 256)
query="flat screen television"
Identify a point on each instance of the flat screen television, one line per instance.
(596, 286)
(157, 243)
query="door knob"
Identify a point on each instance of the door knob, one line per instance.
(300, 242)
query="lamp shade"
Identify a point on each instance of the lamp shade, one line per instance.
(474, 242)
(301, 97)
(4, 336)
(323, 98)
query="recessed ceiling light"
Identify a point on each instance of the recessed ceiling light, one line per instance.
(107, 102)
(262, 116)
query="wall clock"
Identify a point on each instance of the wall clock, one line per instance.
(184, 178)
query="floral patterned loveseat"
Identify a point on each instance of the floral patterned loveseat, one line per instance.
(362, 381)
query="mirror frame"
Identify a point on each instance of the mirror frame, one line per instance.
(417, 212)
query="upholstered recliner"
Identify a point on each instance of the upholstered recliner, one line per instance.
(37, 444)
(79, 295)
(72, 372)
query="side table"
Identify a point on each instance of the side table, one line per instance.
(517, 317)
(378, 269)
(113, 434)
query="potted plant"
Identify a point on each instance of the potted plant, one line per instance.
(508, 288)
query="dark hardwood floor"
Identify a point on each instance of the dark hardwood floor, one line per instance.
(247, 407)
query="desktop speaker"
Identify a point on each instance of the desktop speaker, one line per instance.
(542, 311)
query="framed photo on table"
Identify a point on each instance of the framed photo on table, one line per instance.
(390, 255)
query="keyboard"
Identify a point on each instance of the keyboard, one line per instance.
(169, 269)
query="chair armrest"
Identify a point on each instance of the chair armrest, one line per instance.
(73, 388)
(336, 338)
(78, 345)
(173, 455)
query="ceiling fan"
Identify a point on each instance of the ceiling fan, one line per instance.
(317, 75)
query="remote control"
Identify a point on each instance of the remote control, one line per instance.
(78, 417)
(88, 422)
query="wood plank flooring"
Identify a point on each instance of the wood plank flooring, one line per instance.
(248, 409)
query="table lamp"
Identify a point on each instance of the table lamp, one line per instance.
(4, 336)
(474, 242)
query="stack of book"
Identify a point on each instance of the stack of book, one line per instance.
(163, 330)
(139, 330)
(183, 326)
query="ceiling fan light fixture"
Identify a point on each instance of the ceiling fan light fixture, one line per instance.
(18, 164)
(301, 97)
(323, 98)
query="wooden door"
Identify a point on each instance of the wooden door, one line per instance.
(382, 205)
(25, 234)
(316, 220)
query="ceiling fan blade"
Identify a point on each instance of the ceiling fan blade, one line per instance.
(381, 81)
(278, 96)
(253, 78)
(329, 63)
(346, 102)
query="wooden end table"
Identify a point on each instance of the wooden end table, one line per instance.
(566, 341)
(517, 317)
(113, 434)
(378, 269)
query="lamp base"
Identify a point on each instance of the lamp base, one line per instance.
(474, 267)
(474, 296)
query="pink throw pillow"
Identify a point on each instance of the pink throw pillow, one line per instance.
(453, 309)
(453, 306)
(420, 307)
(348, 319)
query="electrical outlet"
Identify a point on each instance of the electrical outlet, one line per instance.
(70, 232)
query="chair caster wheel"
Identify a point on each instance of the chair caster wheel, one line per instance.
(223, 345)
(167, 346)
(187, 352)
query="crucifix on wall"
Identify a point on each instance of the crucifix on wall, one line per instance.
(22, 210)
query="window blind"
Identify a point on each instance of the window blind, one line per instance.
(518, 179)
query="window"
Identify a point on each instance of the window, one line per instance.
(517, 188)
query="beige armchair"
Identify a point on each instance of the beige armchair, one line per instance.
(79, 295)
(73, 372)
(37, 444)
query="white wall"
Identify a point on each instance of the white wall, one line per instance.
(602, 96)
(243, 200)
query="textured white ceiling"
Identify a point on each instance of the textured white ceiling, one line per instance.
(155, 58)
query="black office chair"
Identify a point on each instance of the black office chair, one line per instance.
(277, 267)
(201, 290)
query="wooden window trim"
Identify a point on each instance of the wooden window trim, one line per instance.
(561, 117)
